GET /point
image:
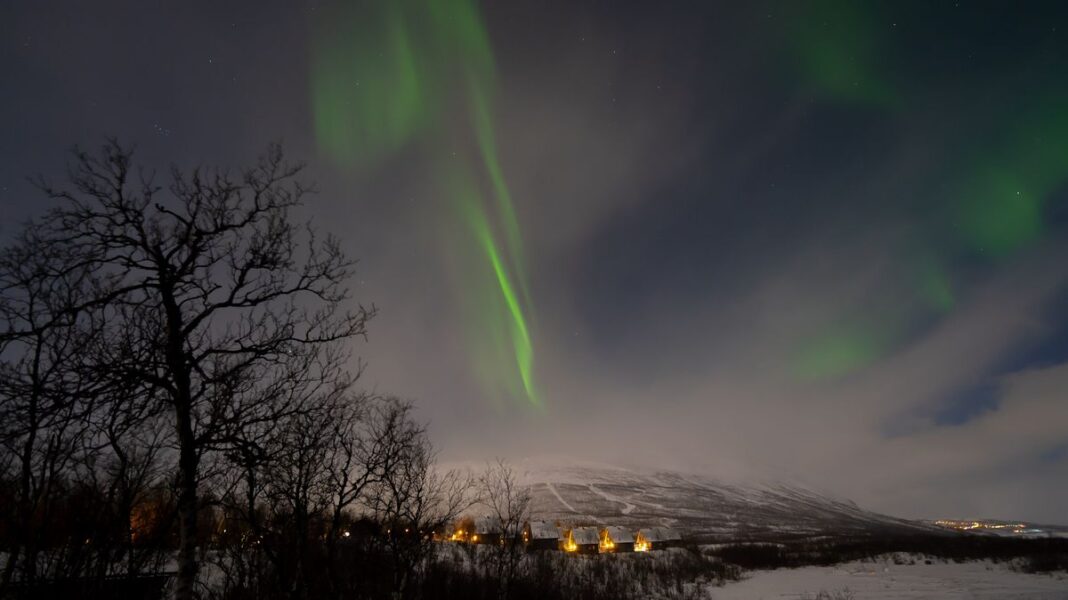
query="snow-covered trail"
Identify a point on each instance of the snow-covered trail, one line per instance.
(552, 488)
(627, 506)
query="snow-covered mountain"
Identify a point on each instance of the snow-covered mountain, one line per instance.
(697, 505)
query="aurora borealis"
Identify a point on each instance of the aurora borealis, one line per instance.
(827, 239)
(994, 205)
(384, 76)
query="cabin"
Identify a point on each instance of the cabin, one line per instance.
(542, 535)
(582, 540)
(616, 539)
(485, 530)
(656, 538)
(459, 530)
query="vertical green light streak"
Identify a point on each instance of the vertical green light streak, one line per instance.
(524, 352)
(505, 328)
(383, 77)
(488, 147)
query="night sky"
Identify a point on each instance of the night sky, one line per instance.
(819, 241)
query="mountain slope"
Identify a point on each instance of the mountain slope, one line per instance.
(698, 506)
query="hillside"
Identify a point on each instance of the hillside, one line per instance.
(699, 506)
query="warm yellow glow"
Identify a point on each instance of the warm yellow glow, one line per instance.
(969, 525)
(607, 545)
(474, 538)
(641, 546)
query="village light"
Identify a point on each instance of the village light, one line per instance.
(346, 534)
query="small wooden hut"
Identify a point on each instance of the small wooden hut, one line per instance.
(542, 535)
(656, 538)
(485, 530)
(616, 539)
(582, 540)
(460, 530)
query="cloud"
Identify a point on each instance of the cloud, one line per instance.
(695, 226)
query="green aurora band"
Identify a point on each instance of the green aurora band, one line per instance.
(384, 77)
(994, 208)
(835, 49)
(841, 351)
(1000, 207)
(507, 332)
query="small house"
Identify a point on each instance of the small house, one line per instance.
(542, 535)
(616, 539)
(485, 530)
(582, 540)
(656, 538)
(459, 530)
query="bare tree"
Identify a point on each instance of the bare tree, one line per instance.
(508, 502)
(274, 481)
(365, 437)
(217, 287)
(44, 395)
(301, 484)
(297, 490)
(122, 466)
(413, 499)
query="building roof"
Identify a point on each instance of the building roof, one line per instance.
(486, 525)
(620, 535)
(584, 536)
(544, 530)
(660, 534)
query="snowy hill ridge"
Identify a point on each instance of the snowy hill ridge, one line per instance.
(701, 506)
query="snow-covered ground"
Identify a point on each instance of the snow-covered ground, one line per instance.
(885, 580)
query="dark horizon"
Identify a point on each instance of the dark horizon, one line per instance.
(823, 242)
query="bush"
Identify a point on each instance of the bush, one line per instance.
(1043, 563)
(1042, 555)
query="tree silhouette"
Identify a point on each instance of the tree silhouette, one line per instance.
(228, 309)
